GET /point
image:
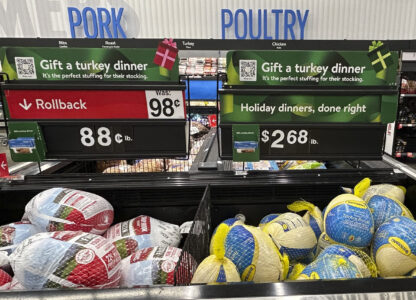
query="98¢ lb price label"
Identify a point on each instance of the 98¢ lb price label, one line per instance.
(165, 104)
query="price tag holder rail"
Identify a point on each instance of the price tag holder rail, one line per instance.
(89, 85)
(331, 141)
(281, 90)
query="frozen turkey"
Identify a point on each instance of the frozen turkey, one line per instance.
(5, 280)
(14, 233)
(59, 209)
(156, 265)
(142, 232)
(66, 259)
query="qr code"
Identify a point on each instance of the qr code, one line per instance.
(25, 67)
(248, 70)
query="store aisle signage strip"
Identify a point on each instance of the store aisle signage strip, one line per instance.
(95, 104)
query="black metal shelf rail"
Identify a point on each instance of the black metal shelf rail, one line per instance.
(210, 44)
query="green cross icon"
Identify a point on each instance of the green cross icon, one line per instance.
(381, 59)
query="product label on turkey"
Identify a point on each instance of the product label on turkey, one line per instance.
(161, 253)
(60, 194)
(400, 245)
(118, 230)
(383, 209)
(350, 223)
(89, 204)
(141, 225)
(141, 255)
(85, 239)
(168, 266)
(95, 104)
(7, 234)
(64, 235)
(398, 232)
(328, 267)
(241, 237)
(85, 256)
(290, 223)
(102, 248)
(112, 260)
(172, 252)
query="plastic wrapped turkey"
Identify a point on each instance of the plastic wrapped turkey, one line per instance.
(156, 265)
(10, 236)
(5, 280)
(143, 232)
(13, 234)
(66, 259)
(59, 209)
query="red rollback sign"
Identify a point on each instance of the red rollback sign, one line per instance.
(95, 104)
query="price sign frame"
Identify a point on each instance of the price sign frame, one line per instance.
(118, 134)
(97, 138)
(326, 105)
(323, 141)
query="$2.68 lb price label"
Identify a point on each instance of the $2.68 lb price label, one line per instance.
(313, 141)
(287, 140)
(320, 141)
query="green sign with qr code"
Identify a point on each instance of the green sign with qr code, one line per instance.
(98, 64)
(313, 68)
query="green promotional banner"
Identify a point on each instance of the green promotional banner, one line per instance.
(307, 108)
(100, 64)
(246, 139)
(378, 67)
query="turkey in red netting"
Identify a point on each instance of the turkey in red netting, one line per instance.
(60, 209)
(14, 233)
(156, 265)
(5, 280)
(66, 259)
(142, 232)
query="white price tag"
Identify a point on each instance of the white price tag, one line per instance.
(163, 104)
(185, 227)
(409, 56)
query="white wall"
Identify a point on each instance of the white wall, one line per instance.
(328, 19)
